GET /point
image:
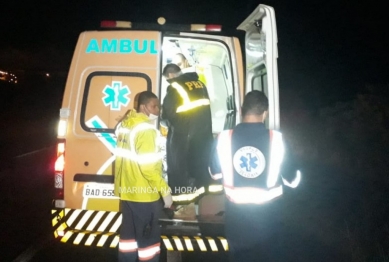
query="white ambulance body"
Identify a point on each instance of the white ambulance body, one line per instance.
(109, 67)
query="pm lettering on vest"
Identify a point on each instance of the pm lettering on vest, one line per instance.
(249, 162)
(194, 84)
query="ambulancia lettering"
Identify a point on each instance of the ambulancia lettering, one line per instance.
(122, 46)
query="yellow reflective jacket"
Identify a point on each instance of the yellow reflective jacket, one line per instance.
(138, 165)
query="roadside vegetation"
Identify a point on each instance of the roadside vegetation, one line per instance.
(344, 151)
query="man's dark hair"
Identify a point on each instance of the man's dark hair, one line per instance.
(143, 98)
(255, 103)
(171, 69)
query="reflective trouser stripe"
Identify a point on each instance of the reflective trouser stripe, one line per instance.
(148, 252)
(128, 245)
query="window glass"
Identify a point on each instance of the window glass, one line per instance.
(107, 97)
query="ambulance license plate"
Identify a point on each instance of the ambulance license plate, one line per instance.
(97, 190)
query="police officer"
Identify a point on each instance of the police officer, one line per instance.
(248, 159)
(139, 182)
(186, 107)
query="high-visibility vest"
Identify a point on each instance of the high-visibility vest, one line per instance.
(139, 177)
(189, 104)
(248, 193)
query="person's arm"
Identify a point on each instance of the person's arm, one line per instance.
(150, 163)
(170, 104)
(291, 175)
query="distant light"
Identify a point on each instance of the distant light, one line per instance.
(161, 20)
(47, 74)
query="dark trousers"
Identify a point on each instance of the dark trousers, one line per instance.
(188, 159)
(139, 233)
(253, 231)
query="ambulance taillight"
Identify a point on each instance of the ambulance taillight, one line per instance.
(59, 169)
(59, 166)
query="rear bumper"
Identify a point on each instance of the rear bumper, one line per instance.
(101, 229)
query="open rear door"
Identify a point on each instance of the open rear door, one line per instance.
(261, 58)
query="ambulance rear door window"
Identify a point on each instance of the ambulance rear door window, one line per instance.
(107, 97)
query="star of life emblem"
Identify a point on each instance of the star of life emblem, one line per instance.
(116, 95)
(249, 162)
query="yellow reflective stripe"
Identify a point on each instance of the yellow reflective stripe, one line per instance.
(178, 243)
(201, 244)
(215, 188)
(102, 240)
(147, 158)
(60, 215)
(66, 236)
(188, 197)
(187, 104)
(194, 104)
(225, 157)
(188, 243)
(91, 238)
(224, 243)
(251, 195)
(115, 242)
(138, 128)
(182, 92)
(212, 243)
(276, 157)
(78, 239)
(167, 243)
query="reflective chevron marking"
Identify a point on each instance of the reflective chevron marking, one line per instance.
(212, 243)
(167, 243)
(188, 243)
(177, 241)
(100, 229)
(201, 244)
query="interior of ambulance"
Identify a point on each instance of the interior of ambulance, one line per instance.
(211, 60)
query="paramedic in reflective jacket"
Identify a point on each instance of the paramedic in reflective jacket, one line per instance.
(139, 182)
(186, 107)
(248, 159)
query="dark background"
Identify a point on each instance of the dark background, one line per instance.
(334, 98)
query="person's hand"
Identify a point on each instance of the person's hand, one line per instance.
(168, 200)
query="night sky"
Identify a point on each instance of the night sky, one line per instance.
(328, 50)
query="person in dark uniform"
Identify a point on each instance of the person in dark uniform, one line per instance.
(249, 159)
(186, 107)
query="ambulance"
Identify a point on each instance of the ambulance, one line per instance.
(109, 67)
